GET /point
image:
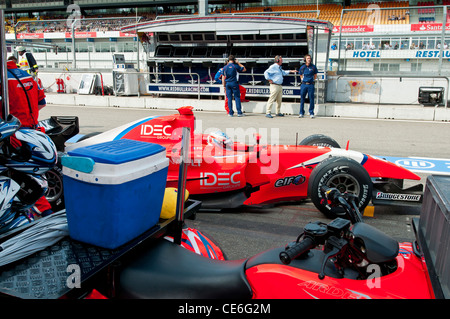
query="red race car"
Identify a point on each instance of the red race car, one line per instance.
(226, 174)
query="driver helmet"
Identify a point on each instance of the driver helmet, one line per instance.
(220, 139)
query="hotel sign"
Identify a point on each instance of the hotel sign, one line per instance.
(397, 54)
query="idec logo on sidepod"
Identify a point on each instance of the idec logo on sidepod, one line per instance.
(223, 179)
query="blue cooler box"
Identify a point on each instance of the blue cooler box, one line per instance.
(121, 197)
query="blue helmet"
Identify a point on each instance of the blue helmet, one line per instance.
(36, 155)
(9, 127)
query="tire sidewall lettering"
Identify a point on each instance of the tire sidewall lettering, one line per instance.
(339, 170)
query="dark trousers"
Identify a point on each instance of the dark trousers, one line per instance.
(232, 89)
(307, 88)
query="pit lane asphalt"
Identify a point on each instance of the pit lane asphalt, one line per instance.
(247, 231)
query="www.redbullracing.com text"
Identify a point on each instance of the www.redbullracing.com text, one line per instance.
(224, 309)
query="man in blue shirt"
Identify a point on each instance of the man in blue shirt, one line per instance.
(274, 74)
(308, 74)
(242, 90)
(231, 84)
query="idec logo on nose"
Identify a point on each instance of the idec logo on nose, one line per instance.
(156, 130)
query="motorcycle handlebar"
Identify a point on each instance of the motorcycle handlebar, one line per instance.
(297, 250)
(336, 197)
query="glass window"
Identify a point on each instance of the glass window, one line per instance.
(446, 43)
(376, 43)
(350, 44)
(404, 43)
(394, 67)
(415, 67)
(395, 43)
(274, 37)
(104, 47)
(197, 37)
(414, 43)
(209, 36)
(185, 37)
(174, 37)
(163, 37)
(385, 44)
(431, 43)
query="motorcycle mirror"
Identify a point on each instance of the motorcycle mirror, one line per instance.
(184, 161)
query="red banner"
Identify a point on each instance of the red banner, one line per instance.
(429, 27)
(82, 34)
(353, 28)
(30, 36)
(127, 34)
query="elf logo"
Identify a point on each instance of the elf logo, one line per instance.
(296, 180)
(158, 130)
(219, 179)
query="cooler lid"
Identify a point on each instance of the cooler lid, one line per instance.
(118, 151)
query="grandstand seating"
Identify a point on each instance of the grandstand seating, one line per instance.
(426, 14)
(332, 12)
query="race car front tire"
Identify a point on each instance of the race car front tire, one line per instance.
(320, 140)
(346, 175)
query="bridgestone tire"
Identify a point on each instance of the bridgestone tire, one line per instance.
(320, 140)
(346, 175)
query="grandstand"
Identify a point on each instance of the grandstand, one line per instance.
(390, 12)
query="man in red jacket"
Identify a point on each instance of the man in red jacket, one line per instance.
(26, 98)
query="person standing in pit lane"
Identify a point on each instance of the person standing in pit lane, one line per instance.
(231, 84)
(308, 74)
(275, 76)
(26, 98)
(242, 90)
(27, 62)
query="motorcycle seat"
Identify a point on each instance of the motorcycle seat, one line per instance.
(167, 270)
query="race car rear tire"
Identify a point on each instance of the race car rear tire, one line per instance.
(346, 175)
(320, 140)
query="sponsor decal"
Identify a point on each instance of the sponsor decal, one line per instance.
(312, 287)
(429, 27)
(82, 35)
(30, 36)
(183, 89)
(353, 28)
(415, 163)
(296, 180)
(395, 196)
(266, 91)
(157, 131)
(225, 179)
(127, 34)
